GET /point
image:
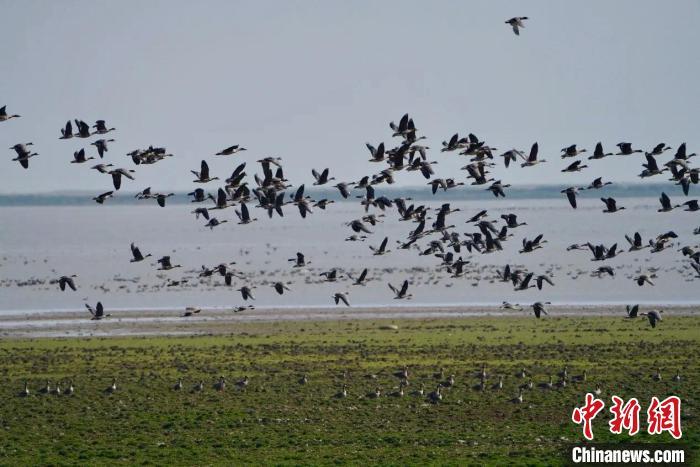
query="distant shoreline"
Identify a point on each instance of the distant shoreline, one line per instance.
(618, 190)
(220, 321)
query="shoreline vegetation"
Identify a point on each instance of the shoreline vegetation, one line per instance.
(275, 419)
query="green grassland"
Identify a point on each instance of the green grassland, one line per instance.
(276, 420)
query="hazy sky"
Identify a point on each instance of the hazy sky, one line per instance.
(312, 81)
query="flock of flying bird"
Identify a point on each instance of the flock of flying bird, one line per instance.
(269, 195)
(409, 154)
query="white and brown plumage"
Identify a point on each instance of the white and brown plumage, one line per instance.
(166, 265)
(203, 174)
(101, 127)
(531, 159)
(117, 175)
(4, 115)
(67, 132)
(136, 254)
(321, 178)
(79, 157)
(101, 145)
(231, 150)
(23, 153)
(100, 199)
(64, 281)
(516, 23)
(654, 316)
(401, 293)
(341, 297)
(611, 205)
(538, 308)
(98, 312)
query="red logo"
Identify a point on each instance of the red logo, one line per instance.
(661, 416)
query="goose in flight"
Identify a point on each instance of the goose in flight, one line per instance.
(401, 294)
(532, 160)
(632, 311)
(574, 167)
(381, 250)
(626, 149)
(213, 222)
(404, 128)
(598, 152)
(651, 168)
(144, 194)
(571, 195)
(160, 198)
(377, 154)
(538, 308)
(244, 215)
(67, 132)
(653, 316)
(23, 154)
(343, 188)
(117, 176)
(358, 226)
(597, 184)
(79, 157)
(166, 265)
(280, 287)
(571, 151)
(691, 205)
(100, 199)
(102, 168)
(659, 149)
(666, 205)
(83, 129)
(360, 279)
(331, 275)
(510, 156)
(643, 278)
(98, 312)
(101, 127)
(341, 297)
(136, 254)
(64, 281)
(636, 242)
(602, 270)
(516, 23)
(101, 145)
(532, 245)
(321, 178)
(246, 293)
(611, 205)
(299, 261)
(199, 195)
(231, 150)
(4, 116)
(203, 174)
(497, 188)
(191, 311)
(512, 220)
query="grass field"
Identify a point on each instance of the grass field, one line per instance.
(276, 420)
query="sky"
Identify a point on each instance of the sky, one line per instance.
(313, 81)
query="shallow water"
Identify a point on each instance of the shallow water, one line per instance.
(45, 242)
